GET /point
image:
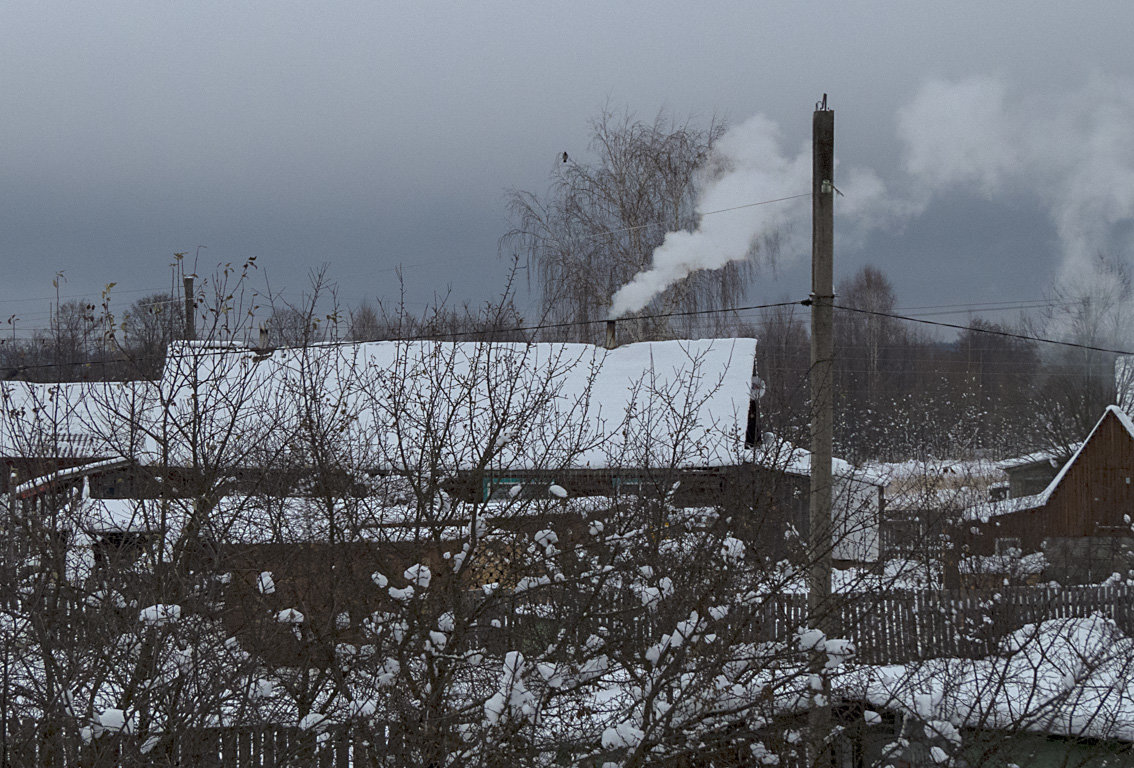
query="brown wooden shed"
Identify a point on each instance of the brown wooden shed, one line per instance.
(1081, 521)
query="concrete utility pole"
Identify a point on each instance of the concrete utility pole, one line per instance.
(820, 539)
(822, 352)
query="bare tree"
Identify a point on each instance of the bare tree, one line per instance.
(784, 360)
(599, 223)
(148, 327)
(865, 336)
(1095, 311)
(364, 323)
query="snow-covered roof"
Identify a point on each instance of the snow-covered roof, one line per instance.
(463, 405)
(71, 420)
(63, 475)
(936, 484)
(960, 471)
(294, 519)
(986, 510)
(793, 460)
(1051, 456)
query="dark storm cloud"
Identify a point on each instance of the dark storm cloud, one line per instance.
(367, 135)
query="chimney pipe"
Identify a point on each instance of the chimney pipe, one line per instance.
(611, 338)
(190, 300)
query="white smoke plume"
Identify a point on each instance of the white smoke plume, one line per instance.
(754, 169)
(748, 166)
(1072, 152)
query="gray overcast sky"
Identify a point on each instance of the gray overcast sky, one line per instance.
(368, 135)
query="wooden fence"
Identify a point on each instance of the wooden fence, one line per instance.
(897, 627)
(886, 627)
(245, 747)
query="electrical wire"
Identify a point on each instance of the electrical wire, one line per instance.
(482, 332)
(620, 230)
(978, 329)
(431, 336)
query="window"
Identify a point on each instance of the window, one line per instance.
(508, 488)
(629, 486)
(1008, 547)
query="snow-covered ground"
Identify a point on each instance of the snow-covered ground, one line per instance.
(1069, 677)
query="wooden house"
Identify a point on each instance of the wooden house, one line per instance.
(1077, 529)
(521, 435)
(673, 419)
(925, 498)
(1030, 474)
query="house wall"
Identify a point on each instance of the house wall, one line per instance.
(1030, 479)
(1098, 489)
(857, 513)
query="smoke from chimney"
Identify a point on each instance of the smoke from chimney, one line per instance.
(747, 166)
(1071, 152)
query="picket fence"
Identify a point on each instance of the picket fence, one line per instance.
(245, 747)
(898, 627)
(886, 627)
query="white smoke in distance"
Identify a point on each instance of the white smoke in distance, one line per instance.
(1072, 152)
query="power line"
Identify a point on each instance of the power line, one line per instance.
(989, 305)
(482, 332)
(978, 329)
(753, 205)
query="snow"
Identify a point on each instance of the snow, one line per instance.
(289, 616)
(157, 615)
(624, 406)
(622, 736)
(114, 720)
(386, 395)
(401, 595)
(418, 576)
(313, 721)
(512, 699)
(1045, 456)
(1012, 564)
(72, 420)
(70, 473)
(732, 549)
(1069, 677)
(985, 510)
(810, 640)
